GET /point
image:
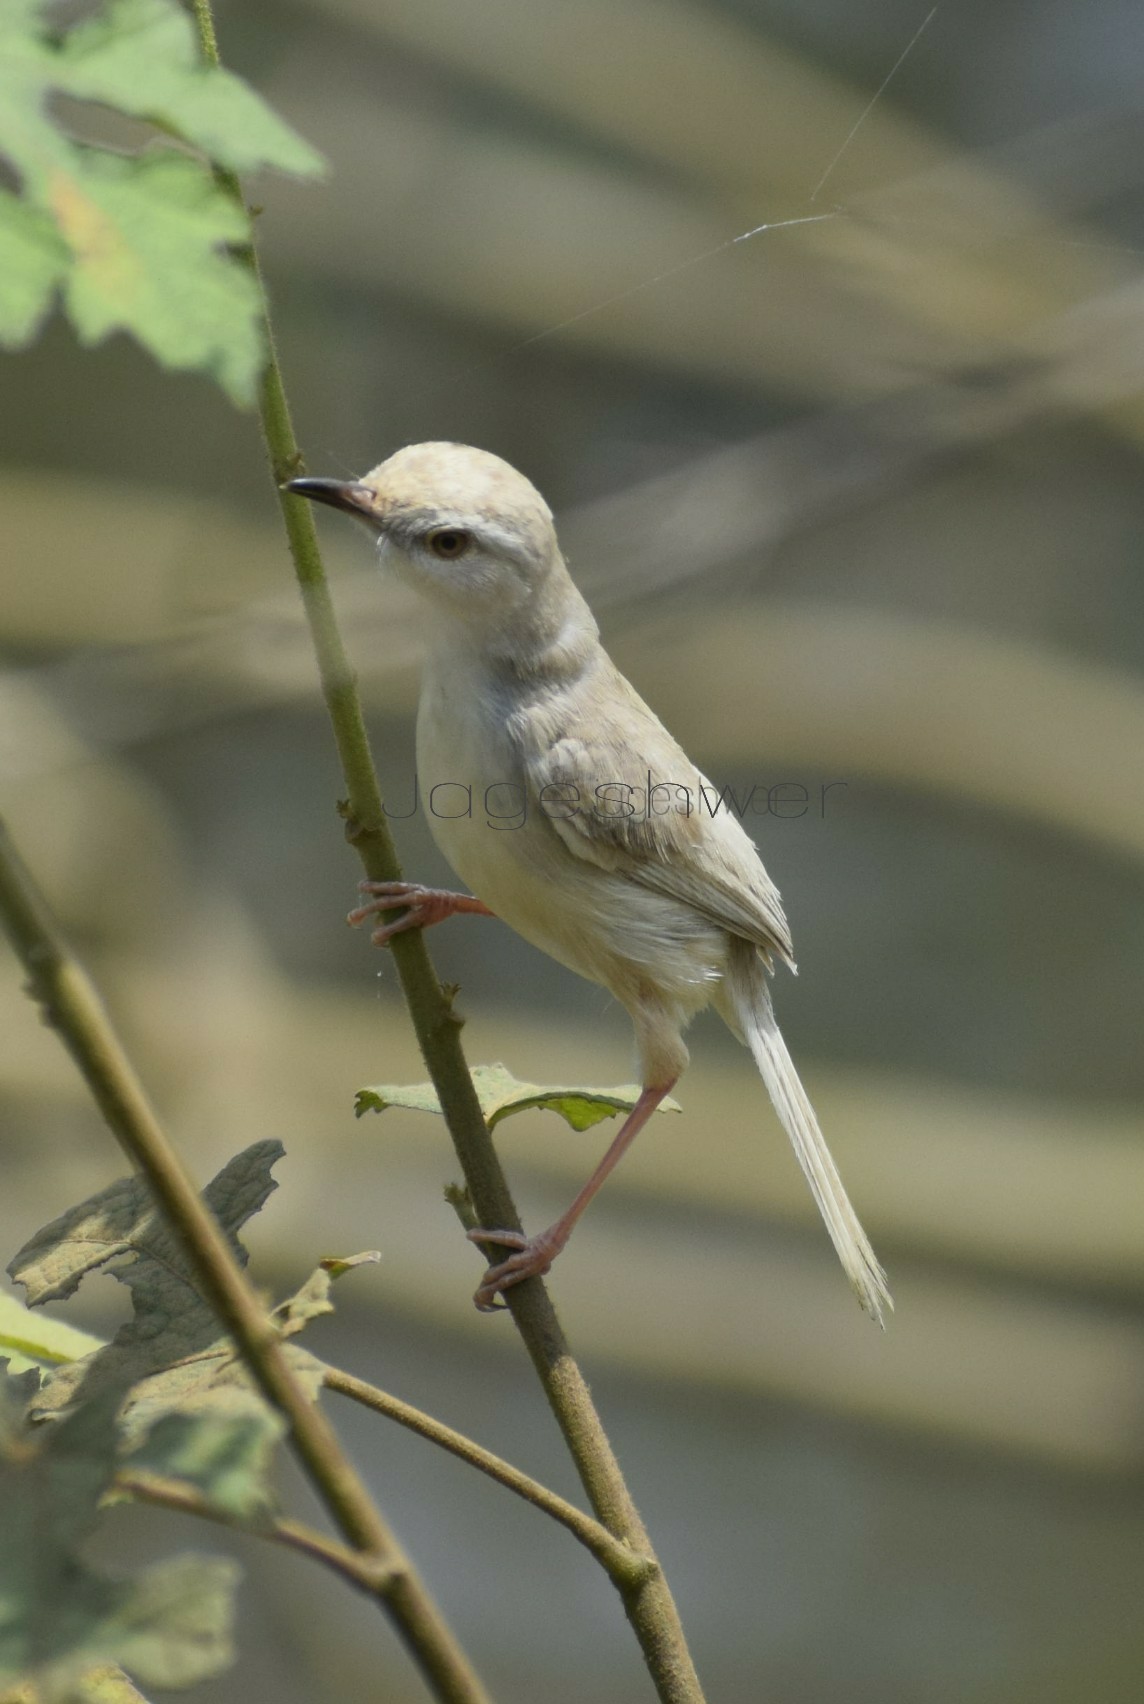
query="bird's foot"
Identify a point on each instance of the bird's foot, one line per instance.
(423, 907)
(532, 1258)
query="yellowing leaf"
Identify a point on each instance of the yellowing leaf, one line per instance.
(29, 1339)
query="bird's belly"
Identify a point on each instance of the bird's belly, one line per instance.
(505, 849)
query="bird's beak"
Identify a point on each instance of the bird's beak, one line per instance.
(354, 499)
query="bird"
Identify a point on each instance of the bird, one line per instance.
(618, 861)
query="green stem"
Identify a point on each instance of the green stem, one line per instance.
(623, 1564)
(73, 1008)
(648, 1602)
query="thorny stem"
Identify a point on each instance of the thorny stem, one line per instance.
(622, 1563)
(72, 1006)
(648, 1602)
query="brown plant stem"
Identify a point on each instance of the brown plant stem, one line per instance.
(362, 1571)
(73, 1008)
(648, 1602)
(623, 1564)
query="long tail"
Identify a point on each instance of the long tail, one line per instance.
(749, 997)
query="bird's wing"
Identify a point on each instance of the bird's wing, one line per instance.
(593, 771)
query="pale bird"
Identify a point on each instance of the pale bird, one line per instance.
(616, 868)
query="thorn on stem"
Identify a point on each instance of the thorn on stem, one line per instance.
(449, 991)
(459, 1199)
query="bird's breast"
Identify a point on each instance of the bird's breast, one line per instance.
(502, 845)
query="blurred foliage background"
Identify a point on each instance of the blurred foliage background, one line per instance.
(856, 501)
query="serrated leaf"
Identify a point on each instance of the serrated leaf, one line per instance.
(59, 1618)
(122, 1223)
(29, 1339)
(145, 235)
(500, 1095)
(138, 243)
(33, 261)
(142, 57)
(172, 1353)
(190, 1410)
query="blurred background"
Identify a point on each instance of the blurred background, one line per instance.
(859, 505)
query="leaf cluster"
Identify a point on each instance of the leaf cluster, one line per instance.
(167, 1403)
(133, 230)
(168, 1400)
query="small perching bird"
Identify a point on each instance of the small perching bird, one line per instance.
(614, 856)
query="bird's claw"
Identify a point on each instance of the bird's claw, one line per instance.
(532, 1259)
(424, 907)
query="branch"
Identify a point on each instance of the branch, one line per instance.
(362, 1571)
(72, 1006)
(624, 1565)
(648, 1602)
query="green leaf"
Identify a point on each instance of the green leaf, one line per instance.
(225, 1453)
(501, 1095)
(29, 1339)
(33, 261)
(173, 1626)
(145, 237)
(138, 243)
(143, 57)
(59, 1618)
(222, 1437)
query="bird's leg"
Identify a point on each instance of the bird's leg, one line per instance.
(534, 1255)
(422, 907)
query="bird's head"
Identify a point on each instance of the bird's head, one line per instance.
(461, 526)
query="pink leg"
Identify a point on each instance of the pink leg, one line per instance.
(534, 1255)
(424, 907)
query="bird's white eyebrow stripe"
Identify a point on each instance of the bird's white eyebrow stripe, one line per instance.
(410, 526)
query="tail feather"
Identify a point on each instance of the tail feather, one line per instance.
(750, 999)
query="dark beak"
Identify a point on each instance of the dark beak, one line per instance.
(354, 499)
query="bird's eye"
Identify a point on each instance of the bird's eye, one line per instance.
(449, 542)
